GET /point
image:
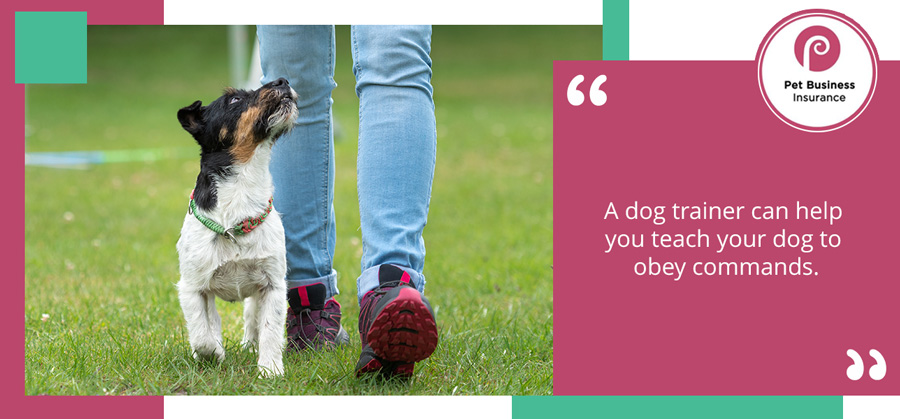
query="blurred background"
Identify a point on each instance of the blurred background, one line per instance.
(109, 170)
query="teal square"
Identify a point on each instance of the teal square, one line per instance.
(51, 47)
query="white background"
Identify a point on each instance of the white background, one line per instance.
(871, 407)
(660, 30)
(311, 407)
(727, 30)
(458, 12)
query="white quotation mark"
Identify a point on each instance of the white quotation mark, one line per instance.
(879, 370)
(876, 372)
(576, 98)
(855, 371)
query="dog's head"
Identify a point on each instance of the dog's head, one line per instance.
(240, 120)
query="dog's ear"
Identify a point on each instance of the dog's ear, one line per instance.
(191, 118)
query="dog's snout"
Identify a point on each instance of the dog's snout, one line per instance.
(279, 85)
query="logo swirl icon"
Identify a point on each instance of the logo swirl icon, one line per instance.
(817, 48)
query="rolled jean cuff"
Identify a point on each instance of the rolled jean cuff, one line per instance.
(368, 281)
(329, 280)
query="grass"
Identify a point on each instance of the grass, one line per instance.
(101, 311)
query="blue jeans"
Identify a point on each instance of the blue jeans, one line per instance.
(395, 160)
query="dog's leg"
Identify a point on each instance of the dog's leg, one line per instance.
(215, 324)
(272, 313)
(251, 323)
(201, 334)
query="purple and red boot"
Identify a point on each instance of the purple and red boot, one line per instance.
(396, 326)
(313, 322)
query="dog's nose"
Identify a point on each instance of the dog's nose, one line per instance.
(280, 82)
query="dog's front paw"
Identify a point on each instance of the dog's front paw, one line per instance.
(248, 345)
(273, 369)
(209, 353)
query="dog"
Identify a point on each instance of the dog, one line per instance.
(232, 240)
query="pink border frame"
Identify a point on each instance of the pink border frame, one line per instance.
(99, 12)
(873, 54)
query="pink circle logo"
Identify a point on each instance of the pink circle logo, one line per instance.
(798, 74)
(817, 48)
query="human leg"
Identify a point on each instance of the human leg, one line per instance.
(302, 169)
(303, 160)
(397, 143)
(395, 168)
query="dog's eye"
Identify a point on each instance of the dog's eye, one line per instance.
(234, 100)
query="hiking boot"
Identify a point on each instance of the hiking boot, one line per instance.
(396, 326)
(312, 322)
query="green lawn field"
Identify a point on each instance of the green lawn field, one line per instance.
(101, 310)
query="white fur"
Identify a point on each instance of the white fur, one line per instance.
(252, 270)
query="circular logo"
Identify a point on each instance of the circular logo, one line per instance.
(817, 48)
(817, 70)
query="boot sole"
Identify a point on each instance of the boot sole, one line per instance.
(404, 331)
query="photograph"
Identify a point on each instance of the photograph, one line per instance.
(246, 210)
